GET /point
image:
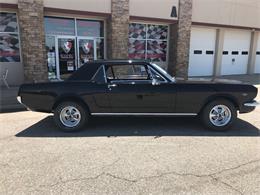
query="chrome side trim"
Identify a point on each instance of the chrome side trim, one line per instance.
(19, 99)
(104, 72)
(144, 114)
(252, 104)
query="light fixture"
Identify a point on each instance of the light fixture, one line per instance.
(174, 12)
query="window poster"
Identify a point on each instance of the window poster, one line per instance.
(70, 65)
(66, 56)
(9, 38)
(148, 41)
(86, 50)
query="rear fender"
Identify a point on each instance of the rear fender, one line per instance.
(69, 97)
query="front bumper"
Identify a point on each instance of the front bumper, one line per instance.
(19, 99)
(252, 104)
(248, 106)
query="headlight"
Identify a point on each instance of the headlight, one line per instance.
(19, 99)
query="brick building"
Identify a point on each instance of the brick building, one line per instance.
(48, 40)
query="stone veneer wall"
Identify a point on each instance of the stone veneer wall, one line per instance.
(31, 21)
(172, 49)
(180, 41)
(118, 30)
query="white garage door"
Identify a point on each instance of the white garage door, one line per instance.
(235, 52)
(202, 51)
(257, 60)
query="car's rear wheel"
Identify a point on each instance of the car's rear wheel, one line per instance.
(219, 115)
(70, 116)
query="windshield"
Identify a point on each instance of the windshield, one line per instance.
(162, 71)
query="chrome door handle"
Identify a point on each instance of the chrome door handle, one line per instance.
(111, 85)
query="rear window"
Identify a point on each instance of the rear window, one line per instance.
(85, 72)
(127, 72)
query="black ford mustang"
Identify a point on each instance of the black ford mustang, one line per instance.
(125, 87)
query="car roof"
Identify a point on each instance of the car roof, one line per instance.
(118, 61)
(87, 71)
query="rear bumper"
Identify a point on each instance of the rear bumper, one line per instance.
(19, 99)
(248, 106)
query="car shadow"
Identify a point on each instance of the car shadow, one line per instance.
(138, 126)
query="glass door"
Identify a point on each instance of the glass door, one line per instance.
(86, 50)
(66, 56)
(51, 57)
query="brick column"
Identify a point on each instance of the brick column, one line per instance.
(118, 29)
(180, 40)
(31, 21)
(252, 53)
(218, 52)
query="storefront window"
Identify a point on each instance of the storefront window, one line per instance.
(59, 26)
(70, 43)
(90, 28)
(148, 41)
(9, 38)
(157, 32)
(66, 56)
(156, 50)
(136, 49)
(137, 31)
(86, 50)
(100, 48)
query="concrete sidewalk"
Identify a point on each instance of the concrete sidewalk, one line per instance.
(9, 103)
(250, 79)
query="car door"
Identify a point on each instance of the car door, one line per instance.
(131, 90)
(96, 92)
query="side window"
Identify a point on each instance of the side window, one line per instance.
(109, 73)
(157, 76)
(127, 72)
(99, 76)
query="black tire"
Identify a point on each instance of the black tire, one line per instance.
(83, 119)
(205, 115)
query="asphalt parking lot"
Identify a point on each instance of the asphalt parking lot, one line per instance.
(128, 156)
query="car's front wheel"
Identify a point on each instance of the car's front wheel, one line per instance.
(219, 115)
(70, 116)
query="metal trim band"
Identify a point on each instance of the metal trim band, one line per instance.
(144, 114)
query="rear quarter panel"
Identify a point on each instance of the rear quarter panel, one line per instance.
(44, 96)
(38, 97)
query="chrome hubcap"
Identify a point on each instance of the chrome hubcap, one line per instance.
(70, 116)
(220, 115)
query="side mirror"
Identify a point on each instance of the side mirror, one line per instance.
(155, 82)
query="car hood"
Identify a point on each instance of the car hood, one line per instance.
(208, 81)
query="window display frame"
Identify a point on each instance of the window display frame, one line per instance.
(146, 39)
